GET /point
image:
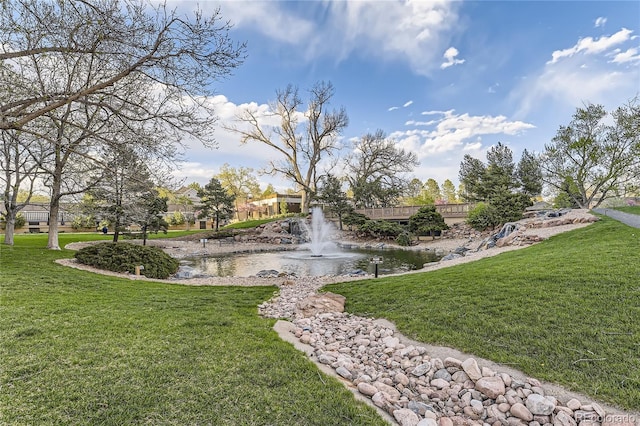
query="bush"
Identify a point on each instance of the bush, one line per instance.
(426, 221)
(381, 229)
(404, 239)
(483, 216)
(352, 219)
(176, 219)
(124, 257)
(83, 222)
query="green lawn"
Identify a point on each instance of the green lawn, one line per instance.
(565, 310)
(629, 209)
(247, 224)
(81, 348)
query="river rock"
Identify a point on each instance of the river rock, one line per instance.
(367, 389)
(520, 411)
(491, 386)
(574, 404)
(428, 422)
(470, 366)
(393, 393)
(539, 405)
(406, 417)
(421, 369)
(563, 419)
(442, 374)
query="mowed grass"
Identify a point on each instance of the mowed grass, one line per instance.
(629, 209)
(566, 310)
(82, 348)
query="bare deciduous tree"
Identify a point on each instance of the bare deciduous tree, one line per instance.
(596, 160)
(85, 75)
(378, 171)
(302, 138)
(116, 39)
(19, 171)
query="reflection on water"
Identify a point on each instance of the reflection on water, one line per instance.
(301, 263)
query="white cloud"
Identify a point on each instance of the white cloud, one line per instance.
(393, 108)
(589, 45)
(600, 21)
(455, 132)
(408, 103)
(410, 31)
(597, 75)
(450, 56)
(435, 112)
(630, 55)
(571, 83)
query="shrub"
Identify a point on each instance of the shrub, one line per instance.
(124, 257)
(404, 239)
(83, 222)
(483, 216)
(176, 219)
(352, 219)
(427, 220)
(381, 229)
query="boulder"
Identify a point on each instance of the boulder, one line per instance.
(491, 386)
(319, 304)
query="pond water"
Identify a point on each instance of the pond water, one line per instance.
(303, 263)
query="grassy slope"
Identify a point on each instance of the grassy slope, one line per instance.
(81, 348)
(566, 310)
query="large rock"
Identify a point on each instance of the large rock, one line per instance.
(319, 304)
(539, 405)
(563, 419)
(520, 411)
(406, 417)
(470, 366)
(491, 386)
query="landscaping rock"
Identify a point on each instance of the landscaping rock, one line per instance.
(320, 303)
(491, 386)
(539, 405)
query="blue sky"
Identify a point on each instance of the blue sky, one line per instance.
(443, 79)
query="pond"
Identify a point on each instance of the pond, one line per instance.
(303, 263)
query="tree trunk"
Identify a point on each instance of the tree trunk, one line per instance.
(304, 202)
(10, 228)
(54, 209)
(116, 229)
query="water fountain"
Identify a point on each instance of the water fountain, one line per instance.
(319, 234)
(317, 257)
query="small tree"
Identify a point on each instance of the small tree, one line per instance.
(449, 192)
(497, 183)
(432, 189)
(240, 182)
(150, 214)
(529, 174)
(332, 195)
(216, 202)
(426, 221)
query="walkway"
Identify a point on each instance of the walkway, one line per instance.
(626, 218)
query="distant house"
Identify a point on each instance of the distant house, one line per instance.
(37, 217)
(190, 193)
(275, 204)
